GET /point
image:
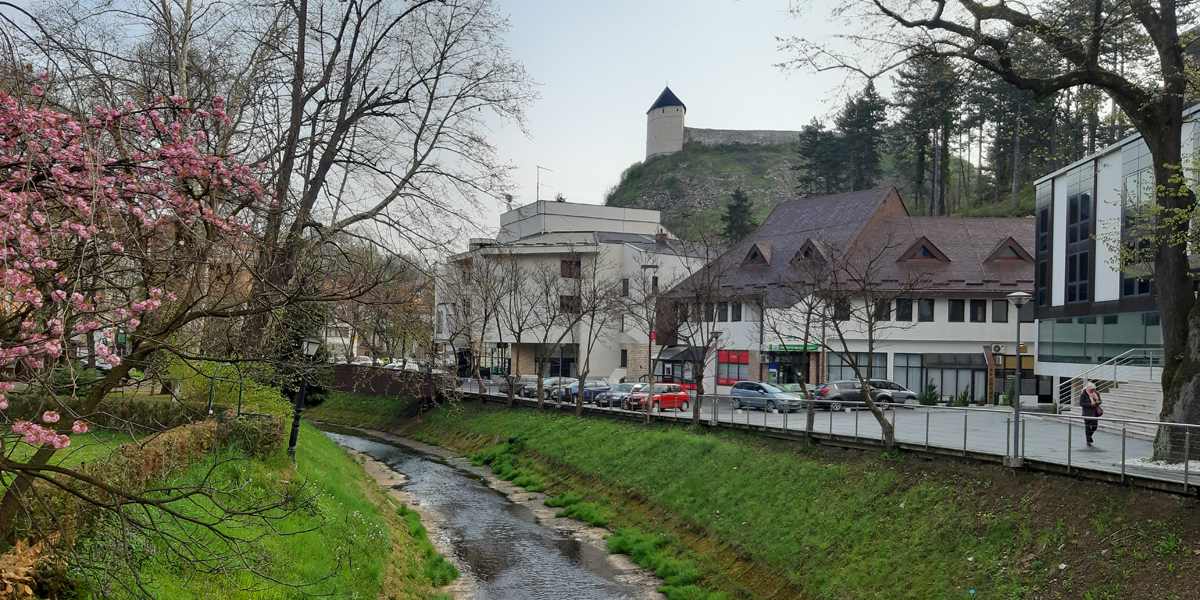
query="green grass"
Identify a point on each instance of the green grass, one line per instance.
(437, 570)
(329, 546)
(824, 529)
(84, 449)
(361, 410)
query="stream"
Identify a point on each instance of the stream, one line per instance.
(498, 545)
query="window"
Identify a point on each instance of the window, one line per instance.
(1079, 231)
(979, 311)
(999, 311)
(925, 310)
(841, 368)
(730, 373)
(841, 310)
(957, 311)
(654, 284)
(735, 312)
(624, 358)
(570, 268)
(621, 322)
(625, 287)
(709, 310)
(722, 312)
(883, 310)
(570, 305)
(904, 309)
(1041, 281)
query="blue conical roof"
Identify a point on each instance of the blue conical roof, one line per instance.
(667, 98)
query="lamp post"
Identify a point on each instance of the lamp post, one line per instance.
(308, 347)
(1017, 299)
(715, 342)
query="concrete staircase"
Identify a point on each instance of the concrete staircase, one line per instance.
(1129, 386)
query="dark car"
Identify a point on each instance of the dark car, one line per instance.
(549, 384)
(591, 388)
(615, 395)
(518, 383)
(837, 394)
(764, 396)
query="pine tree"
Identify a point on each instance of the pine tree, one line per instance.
(860, 126)
(739, 221)
(821, 163)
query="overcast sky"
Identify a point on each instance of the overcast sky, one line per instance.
(599, 66)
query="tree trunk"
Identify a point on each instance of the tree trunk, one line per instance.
(1015, 167)
(1176, 299)
(698, 379)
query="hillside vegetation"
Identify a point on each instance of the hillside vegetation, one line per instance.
(692, 187)
(731, 515)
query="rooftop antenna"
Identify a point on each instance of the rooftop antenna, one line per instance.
(540, 168)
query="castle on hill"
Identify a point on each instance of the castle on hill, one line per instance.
(666, 132)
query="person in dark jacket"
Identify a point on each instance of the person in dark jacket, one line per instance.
(1090, 401)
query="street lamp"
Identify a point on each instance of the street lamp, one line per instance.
(1017, 299)
(308, 347)
(715, 341)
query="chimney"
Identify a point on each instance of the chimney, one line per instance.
(660, 238)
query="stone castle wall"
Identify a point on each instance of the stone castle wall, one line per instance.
(758, 137)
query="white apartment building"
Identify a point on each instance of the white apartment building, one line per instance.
(951, 327)
(618, 246)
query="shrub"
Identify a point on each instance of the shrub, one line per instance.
(962, 399)
(929, 396)
(255, 435)
(195, 380)
(139, 413)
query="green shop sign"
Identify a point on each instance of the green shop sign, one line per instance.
(792, 348)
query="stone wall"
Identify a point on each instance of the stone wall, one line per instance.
(760, 137)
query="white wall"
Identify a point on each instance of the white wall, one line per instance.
(1058, 266)
(1107, 285)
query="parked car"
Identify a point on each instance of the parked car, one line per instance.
(615, 395)
(549, 384)
(806, 390)
(667, 396)
(362, 361)
(764, 396)
(518, 383)
(836, 394)
(591, 387)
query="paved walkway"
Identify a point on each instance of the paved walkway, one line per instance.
(1047, 438)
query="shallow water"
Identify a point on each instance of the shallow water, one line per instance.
(497, 543)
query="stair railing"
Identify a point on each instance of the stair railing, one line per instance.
(1108, 374)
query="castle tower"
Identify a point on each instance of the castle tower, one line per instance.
(664, 124)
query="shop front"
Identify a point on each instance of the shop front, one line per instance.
(791, 363)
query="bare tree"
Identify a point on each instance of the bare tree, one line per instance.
(520, 306)
(1045, 47)
(599, 307)
(640, 309)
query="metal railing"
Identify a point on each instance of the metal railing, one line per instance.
(1111, 373)
(1053, 442)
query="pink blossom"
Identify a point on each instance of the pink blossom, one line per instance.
(37, 90)
(3, 402)
(79, 426)
(50, 416)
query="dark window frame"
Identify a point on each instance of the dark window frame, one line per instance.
(980, 305)
(1000, 311)
(904, 310)
(956, 310)
(922, 315)
(570, 268)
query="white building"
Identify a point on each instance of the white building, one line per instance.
(1096, 320)
(613, 246)
(947, 322)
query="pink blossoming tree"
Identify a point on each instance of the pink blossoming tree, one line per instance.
(114, 221)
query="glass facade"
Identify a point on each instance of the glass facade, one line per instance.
(950, 374)
(1079, 183)
(1095, 339)
(840, 368)
(1042, 250)
(1137, 196)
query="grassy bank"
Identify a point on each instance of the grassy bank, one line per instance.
(329, 545)
(361, 410)
(753, 518)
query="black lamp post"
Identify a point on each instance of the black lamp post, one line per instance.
(1017, 299)
(308, 347)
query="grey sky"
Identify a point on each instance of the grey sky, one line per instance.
(600, 65)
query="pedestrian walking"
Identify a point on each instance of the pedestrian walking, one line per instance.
(1090, 402)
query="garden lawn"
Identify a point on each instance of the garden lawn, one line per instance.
(759, 518)
(335, 549)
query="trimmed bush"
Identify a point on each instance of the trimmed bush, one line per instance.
(255, 435)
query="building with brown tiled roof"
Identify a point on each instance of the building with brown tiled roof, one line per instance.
(944, 279)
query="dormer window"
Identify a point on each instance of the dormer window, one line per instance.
(759, 254)
(1008, 250)
(923, 249)
(808, 252)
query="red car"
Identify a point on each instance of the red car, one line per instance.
(667, 396)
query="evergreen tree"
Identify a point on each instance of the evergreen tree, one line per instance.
(821, 163)
(860, 127)
(739, 221)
